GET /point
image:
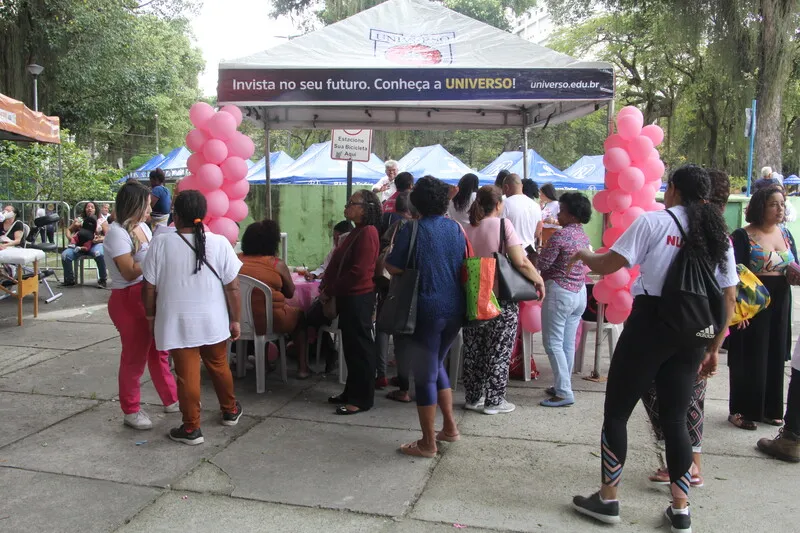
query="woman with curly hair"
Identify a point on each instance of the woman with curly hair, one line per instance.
(349, 279)
(757, 348)
(648, 350)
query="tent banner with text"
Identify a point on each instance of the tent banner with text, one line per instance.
(409, 84)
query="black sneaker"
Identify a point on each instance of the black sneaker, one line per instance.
(231, 419)
(594, 507)
(101, 283)
(66, 283)
(179, 434)
(681, 523)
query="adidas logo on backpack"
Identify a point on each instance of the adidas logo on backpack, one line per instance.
(707, 333)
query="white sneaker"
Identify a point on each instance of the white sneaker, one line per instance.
(138, 420)
(505, 407)
(173, 408)
(477, 406)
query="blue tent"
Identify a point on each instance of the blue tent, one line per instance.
(144, 170)
(539, 170)
(315, 167)
(590, 170)
(174, 165)
(277, 162)
(792, 180)
(438, 162)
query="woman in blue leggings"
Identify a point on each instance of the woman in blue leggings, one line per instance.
(437, 254)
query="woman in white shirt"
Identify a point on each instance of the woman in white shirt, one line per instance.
(126, 245)
(550, 205)
(191, 294)
(458, 210)
(649, 349)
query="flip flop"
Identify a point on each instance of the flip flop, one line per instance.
(301, 376)
(398, 396)
(413, 449)
(444, 437)
(777, 422)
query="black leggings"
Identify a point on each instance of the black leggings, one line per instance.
(646, 353)
(792, 416)
(355, 321)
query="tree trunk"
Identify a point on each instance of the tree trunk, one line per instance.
(774, 59)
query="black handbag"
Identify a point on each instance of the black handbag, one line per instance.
(513, 286)
(399, 313)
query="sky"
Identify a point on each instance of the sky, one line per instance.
(229, 29)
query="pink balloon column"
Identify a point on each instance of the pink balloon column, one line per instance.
(633, 177)
(219, 166)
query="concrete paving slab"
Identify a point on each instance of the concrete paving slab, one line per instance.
(207, 477)
(89, 373)
(313, 405)
(96, 444)
(58, 335)
(720, 437)
(200, 513)
(14, 358)
(417, 526)
(528, 486)
(25, 414)
(325, 465)
(35, 501)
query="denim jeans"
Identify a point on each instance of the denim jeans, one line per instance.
(561, 314)
(70, 254)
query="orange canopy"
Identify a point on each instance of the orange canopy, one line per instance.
(18, 123)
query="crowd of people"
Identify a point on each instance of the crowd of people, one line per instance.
(177, 294)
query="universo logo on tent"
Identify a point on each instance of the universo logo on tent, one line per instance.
(419, 49)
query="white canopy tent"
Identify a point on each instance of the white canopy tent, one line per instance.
(412, 64)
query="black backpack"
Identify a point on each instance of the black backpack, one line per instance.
(691, 303)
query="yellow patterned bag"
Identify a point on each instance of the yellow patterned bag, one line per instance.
(751, 295)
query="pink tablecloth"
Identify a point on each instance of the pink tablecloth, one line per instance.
(304, 293)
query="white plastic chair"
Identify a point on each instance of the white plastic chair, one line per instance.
(247, 285)
(611, 332)
(334, 330)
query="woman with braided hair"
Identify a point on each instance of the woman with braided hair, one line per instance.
(192, 300)
(648, 350)
(349, 279)
(127, 243)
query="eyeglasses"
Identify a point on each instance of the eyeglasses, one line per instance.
(351, 204)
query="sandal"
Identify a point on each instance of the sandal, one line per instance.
(661, 477)
(399, 396)
(413, 449)
(444, 437)
(738, 421)
(303, 375)
(777, 422)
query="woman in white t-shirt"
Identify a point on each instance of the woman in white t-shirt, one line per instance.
(649, 350)
(550, 206)
(126, 245)
(191, 294)
(458, 210)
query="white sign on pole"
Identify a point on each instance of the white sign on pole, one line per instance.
(351, 145)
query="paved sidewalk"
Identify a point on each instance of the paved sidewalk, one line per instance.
(67, 464)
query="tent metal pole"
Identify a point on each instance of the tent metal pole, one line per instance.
(524, 143)
(60, 176)
(267, 169)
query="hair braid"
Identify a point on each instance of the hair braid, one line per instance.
(190, 209)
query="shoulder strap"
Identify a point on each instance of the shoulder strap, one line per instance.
(502, 235)
(412, 243)
(349, 246)
(206, 263)
(677, 222)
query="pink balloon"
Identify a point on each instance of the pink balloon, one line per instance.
(614, 315)
(640, 148)
(619, 200)
(200, 113)
(654, 154)
(612, 180)
(209, 178)
(189, 183)
(614, 141)
(530, 318)
(654, 132)
(237, 210)
(631, 214)
(634, 274)
(633, 111)
(225, 227)
(240, 145)
(602, 292)
(653, 169)
(644, 196)
(195, 140)
(236, 190)
(617, 280)
(600, 202)
(611, 235)
(601, 250)
(222, 126)
(194, 162)
(656, 206)
(616, 160)
(629, 127)
(215, 151)
(235, 112)
(234, 168)
(622, 300)
(616, 219)
(631, 179)
(218, 203)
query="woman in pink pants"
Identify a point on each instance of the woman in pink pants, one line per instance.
(126, 244)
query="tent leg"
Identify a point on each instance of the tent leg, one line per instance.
(267, 170)
(524, 143)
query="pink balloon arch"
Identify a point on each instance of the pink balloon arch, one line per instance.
(633, 177)
(219, 166)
